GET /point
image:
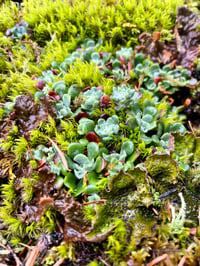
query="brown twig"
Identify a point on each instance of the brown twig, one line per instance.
(25, 249)
(94, 201)
(61, 154)
(104, 262)
(190, 125)
(59, 262)
(59, 226)
(33, 256)
(182, 261)
(130, 65)
(169, 211)
(155, 211)
(29, 149)
(17, 260)
(157, 260)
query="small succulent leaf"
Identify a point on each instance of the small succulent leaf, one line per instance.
(116, 63)
(176, 127)
(147, 118)
(60, 88)
(92, 149)
(70, 180)
(103, 150)
(38, 155)
(79, 189)
(66, 99)
(127, 147)
(150, 110)
(132, 122)
(74, 149)
(106, 128)
(153, 71)
(92, 178)
(100, 164)
(85, 126)
(79, 171)
(93, 197)
(58, 182)
(139, 58)
(110, 157)
(145, 126)
(74, 91)
(90, 189)
(81, 159)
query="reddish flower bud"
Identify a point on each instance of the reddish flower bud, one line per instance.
(55, 72)
(54, 96)
(92, 137)
(80, 115)
(40, 85)
(157, 80)
(86, 89)
(105, 101)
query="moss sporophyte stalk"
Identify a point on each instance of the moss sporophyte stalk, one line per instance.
(93, 140)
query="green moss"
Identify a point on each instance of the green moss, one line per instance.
(9, 15)
(119, 22)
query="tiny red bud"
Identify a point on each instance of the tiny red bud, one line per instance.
(92, 137)
(105, 101)
(55, 72)
(156, 36)
(40, 85)
(106, 173)
(80, 115)
(157, 80)
(54, 96)
(86, 89)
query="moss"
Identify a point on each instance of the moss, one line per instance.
(9, 15)
(116, 22)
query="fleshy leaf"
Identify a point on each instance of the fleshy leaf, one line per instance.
(92, 149)
(70, 180)
(75, 148)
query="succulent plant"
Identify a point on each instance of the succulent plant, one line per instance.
(91, 99)
(18, 31)
(106, 128)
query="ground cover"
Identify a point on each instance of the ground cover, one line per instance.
(99, 133)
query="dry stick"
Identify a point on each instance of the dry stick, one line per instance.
(29, 149)
(94, 201)
(85, 183)
(157, 260)
(59, 226)
(33, 256)
(169, 211)
(104, 262)
(26, 246)
(190, 125)
(64, 161)
(17, 260)
(182, 261)
(58, 263)
(130, 65)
